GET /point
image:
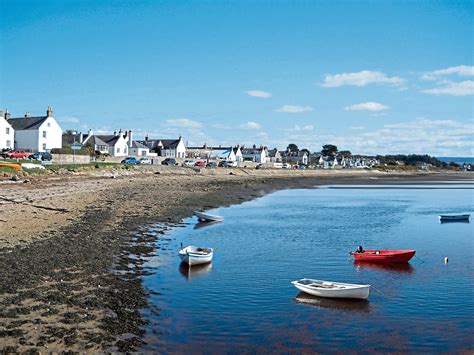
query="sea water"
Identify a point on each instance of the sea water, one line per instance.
(244, 300)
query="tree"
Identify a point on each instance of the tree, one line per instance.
(292, 147)
(329, 149)
(305, 151)
(345, 153)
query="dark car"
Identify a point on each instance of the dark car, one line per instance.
(45, 156)
(211, 164)
(169, 161)
(130, 160)
(222, 164)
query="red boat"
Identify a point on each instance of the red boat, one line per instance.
(384, 256)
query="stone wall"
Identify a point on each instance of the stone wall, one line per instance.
(70, 159)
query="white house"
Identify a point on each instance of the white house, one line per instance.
(217, 153)
(257, 155)
(274, 156)
(7, 137)
(37, 134)
(238, 153)
(171, 148)
(138, 150)
(116, 144)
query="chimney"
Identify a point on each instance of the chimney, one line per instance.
(90, 133)
(1, 113)
(49, 112)
(115, 132)
(27, 114)
(7, 115)
(146, 137)
(254, 146)
(81, 137)
(130, 138)
(120, 132)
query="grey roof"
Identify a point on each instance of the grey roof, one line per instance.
(95, 140)
(273, 152)
(167, 143)
(109, 139)
(136, 144)
(25, 123)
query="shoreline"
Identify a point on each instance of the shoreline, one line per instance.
(77, 287)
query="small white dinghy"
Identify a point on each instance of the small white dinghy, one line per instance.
(454, 217)
(206, 217)
(192, 255)
(331, 289)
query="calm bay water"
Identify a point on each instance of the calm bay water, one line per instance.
(244, 301)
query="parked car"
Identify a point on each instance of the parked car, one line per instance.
(260, 166)
(188, 162)
(130, 160)
(200, 164)
(286, 166)
(169, 161)
(211, 164)
(45, 156)
(16, 154)
(145, 161)
(230, 164)
(222, 164)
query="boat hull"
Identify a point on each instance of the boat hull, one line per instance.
(193, 258)
(205, 217)
(457, 218)
(352, 291)
(385, 256)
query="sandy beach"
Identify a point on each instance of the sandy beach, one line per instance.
(68, 281)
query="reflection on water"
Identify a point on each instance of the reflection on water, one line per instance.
(244, 301)
(443, 221)
(191, 272)
(391, 267)
(206, 224)
(334, 304)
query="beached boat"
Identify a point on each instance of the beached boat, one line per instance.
(329, 289)
(192, 255)
(206, 217)
(384, 256)
(16, 166)
(453, 217)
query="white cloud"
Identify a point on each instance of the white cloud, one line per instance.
(451, 88)
(367, 106)
(461, 70)
(259, 94)
(298, 128)
(183, 123)
(294, 109)
(361, 78)
(250, 125)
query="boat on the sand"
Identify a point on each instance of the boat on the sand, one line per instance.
(384, 256)
(192, 255)
(454, 218)
(206, 217)
(330, 289)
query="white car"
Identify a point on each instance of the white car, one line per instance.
(146, 161)
(286, 166)
(189, 163)
(230, 164)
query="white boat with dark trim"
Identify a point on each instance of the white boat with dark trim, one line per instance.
(192, 255)
(453, 217)
(206, 217)
(330, 289)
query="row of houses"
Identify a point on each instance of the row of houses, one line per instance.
(43, 133)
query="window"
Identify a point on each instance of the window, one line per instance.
(44, 146)
(9, 144)
(8, 130)
(44, 134)
(118, 150)
(49, 124)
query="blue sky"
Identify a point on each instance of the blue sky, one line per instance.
(371, 77)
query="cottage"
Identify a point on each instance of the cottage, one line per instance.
(298, 157)
(257, 155)
(37, 134)
(116, 144)
(7, 137)
(172, 148)
(238, 153)
(139, 150)
(274, 156)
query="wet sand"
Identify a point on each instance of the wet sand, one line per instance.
(70, 275)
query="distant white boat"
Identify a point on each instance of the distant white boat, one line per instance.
(453, 217)
(192, 255)
(331, 289)
(206, 217)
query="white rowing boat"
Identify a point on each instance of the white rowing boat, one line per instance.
(453, 217)
(206, 217)
(192, 255)
(331, 289)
